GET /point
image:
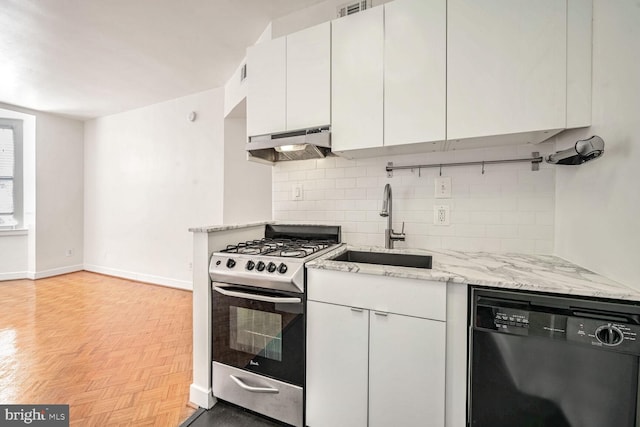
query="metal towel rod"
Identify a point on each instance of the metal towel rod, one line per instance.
(535, 161)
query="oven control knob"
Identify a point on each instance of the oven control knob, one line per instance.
(282, 268)
(250, 265)
(271, 267)
(260, 266)
(231, 263)
(609, 335)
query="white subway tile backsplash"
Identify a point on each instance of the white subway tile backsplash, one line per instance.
(297, 175)
(315, 174)
(503, 231)
(346, 183)
(358, 216)
(355, 194)
(544, 247)
(518, 245)
(280, 176)
(367, 227)
(326, 163)
(362, 182)
(354, 172)
(509, 208)
(545, 218)
(543, 232)
(335, 173)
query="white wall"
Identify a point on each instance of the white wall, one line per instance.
(598, 204)
(53, 178)
(508, 209)
(247, 185)
(59, 195)
(150, 174)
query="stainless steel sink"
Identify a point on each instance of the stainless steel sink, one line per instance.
(383, 258)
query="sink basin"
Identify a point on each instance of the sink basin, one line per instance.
(384, 258)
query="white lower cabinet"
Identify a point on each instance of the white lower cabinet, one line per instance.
(406, 371)
(337, 353)
(373, 368)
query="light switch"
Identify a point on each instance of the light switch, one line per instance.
(443, 187)
(297, 191)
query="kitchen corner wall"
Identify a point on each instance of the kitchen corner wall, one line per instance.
(598, 204)
(509, 208)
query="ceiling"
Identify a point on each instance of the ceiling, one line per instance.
(90, 58)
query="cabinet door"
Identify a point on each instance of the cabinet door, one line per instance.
(406, 371)
(337, 351)
(266, 87)
(357, 80)
(415, 85)
(309, 77)
(506, 67)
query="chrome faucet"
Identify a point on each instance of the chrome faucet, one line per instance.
(387, 211)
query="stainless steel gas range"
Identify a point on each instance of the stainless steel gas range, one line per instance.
(258, 300)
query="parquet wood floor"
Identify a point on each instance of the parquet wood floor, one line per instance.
(117, 351)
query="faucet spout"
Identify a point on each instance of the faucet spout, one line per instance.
(387, 211)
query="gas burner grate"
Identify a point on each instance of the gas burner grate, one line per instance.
(286, 248)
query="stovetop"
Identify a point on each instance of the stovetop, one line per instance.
(275, 261)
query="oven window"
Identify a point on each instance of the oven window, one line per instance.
(256, 332)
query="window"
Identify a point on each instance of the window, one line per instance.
(10, 173)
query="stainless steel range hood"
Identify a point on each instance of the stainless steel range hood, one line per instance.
(314, 143)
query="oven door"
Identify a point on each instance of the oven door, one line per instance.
(259, 331)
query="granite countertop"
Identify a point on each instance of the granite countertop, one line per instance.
(544, 273)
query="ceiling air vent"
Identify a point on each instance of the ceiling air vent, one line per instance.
(353, 7)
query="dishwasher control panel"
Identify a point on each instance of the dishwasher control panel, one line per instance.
(603, 333)
(597, 331)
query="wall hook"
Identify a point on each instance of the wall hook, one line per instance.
(482, 168)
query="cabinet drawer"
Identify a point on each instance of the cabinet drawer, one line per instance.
(412, 297)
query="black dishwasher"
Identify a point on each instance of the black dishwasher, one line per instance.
(538, 360)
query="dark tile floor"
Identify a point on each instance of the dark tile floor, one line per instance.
(224, 414)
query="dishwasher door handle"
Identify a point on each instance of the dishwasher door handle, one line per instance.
(252, 389)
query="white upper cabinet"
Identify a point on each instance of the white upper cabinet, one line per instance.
(506, 68)
(357, 53)
(266, 87)
(309, 77)
(289, 82)
(415, 68)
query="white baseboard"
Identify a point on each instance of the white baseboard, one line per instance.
(16, 275)
(54, 272)
(33, 275)
(140, 277)
(201, 397)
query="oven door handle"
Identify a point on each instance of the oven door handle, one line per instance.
(252, 389)
(264, 298)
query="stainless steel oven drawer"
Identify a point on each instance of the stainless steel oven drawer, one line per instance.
(266, 396)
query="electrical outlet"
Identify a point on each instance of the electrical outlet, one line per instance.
(68, 252)
(296, 192)
(190, 266)
(443, 187)
(441, 215)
